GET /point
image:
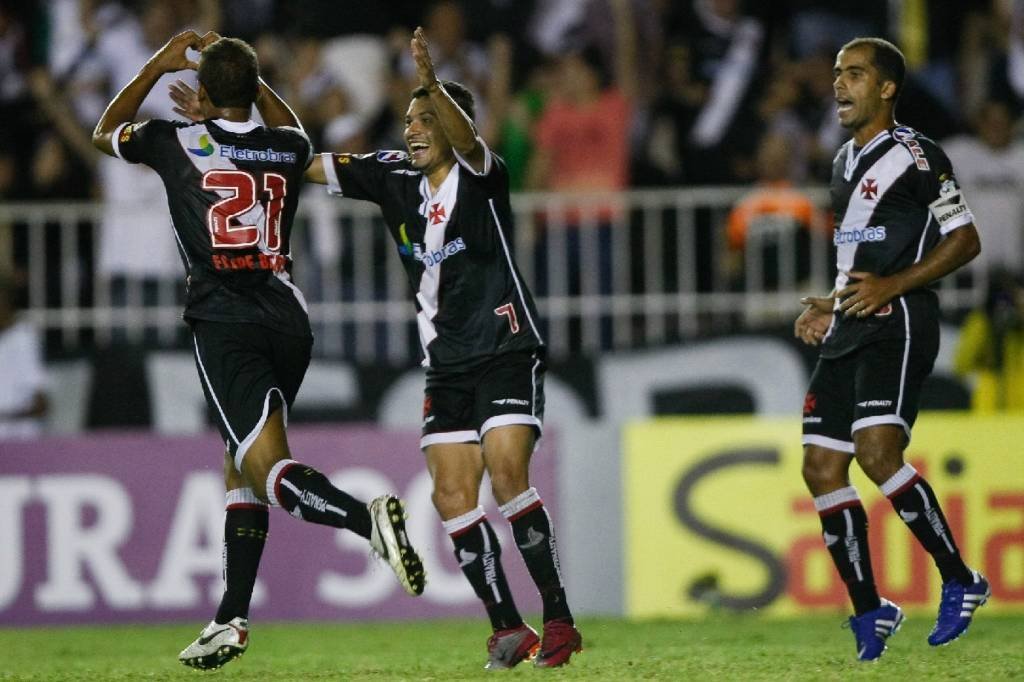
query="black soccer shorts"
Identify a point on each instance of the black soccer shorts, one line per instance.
(460, 407)
(879, 383)
(247, 371)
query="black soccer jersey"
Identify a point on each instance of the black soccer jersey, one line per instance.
(455, 244)
(232, 189)
(893, 200)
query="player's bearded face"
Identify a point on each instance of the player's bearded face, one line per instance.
(857, 87)
(425, 138)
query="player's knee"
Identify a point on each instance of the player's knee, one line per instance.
(879, 451)
(880, 464)
(453, 498)
(507, 482)
(256, 467)
(822, 473)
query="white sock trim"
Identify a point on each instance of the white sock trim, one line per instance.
(272, 477)
(898, 480)
(835, 498)
(464, 521)
(242, 496)
(519, 503)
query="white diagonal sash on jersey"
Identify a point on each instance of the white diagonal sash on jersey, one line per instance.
(885, 171)
(437, 209)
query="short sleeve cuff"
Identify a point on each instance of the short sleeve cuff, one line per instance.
(487, 159)
(114, 140)
(965, 219)
(331, 173)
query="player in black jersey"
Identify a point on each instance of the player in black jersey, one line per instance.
(900, 224)
(446, 204)
(233, 187)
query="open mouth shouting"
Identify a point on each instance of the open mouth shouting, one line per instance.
(844, 105)
(418, 150)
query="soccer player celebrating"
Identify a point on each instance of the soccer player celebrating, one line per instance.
(232, 187)
(900, 224)
(446, 204)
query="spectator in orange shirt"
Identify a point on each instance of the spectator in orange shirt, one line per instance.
(772, 209)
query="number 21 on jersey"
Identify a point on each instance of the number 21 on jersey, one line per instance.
(243, 199)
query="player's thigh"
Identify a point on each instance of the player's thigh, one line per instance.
(291, 360)
(889, 377)
(507, 452)
(510, 392)
(825, 469)
(240, 383)
(828, 405)
(448, 410)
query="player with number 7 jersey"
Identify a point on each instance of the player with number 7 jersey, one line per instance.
(445, 200)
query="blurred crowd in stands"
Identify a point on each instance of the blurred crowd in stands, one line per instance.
(592, 95)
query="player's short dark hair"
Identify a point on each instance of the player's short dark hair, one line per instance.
(887, 58)
(230, 72)
(458, 92)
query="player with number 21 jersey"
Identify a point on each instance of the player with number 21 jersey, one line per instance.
(232, 188)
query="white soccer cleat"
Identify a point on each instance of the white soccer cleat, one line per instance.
(217, 644)
(389, 541)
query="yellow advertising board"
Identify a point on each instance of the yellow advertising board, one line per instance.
(716, 515)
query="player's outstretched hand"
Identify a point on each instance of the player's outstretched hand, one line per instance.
(812, 324)
(421, 56)
(186, 100)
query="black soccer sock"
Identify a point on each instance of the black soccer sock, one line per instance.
(915, 502)
(531, 527)
(844, 526)
(246, 521)
(307, 494)
(479, 555)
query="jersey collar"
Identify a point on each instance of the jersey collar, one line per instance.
(235, 126)
(852, 158)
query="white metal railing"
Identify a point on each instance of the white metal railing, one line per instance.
(640, 268)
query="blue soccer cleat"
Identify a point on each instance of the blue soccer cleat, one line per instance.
(871, 629)
(959, 602)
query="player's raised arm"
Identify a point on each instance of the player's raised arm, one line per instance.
(122, 109)
(456, 124)
(274, 110)
(316, 173)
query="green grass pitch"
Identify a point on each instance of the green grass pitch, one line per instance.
(720, 647)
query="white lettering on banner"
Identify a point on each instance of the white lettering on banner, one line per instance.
(194, 544)
(14, 492)
(71, 546)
